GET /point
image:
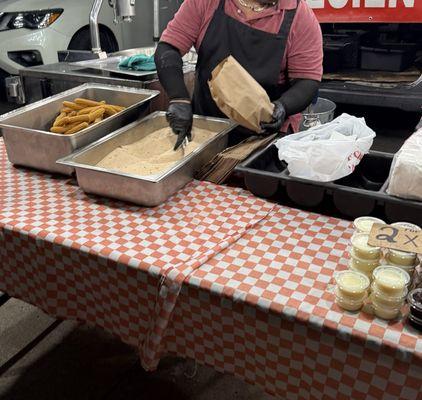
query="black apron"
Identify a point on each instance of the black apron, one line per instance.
(260, 53)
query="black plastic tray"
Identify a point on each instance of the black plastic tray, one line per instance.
(359, 194)
(394, 57)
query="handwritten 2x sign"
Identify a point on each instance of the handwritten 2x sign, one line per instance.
(395, 238)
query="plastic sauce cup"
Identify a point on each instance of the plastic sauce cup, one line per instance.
(362, 265)
(352, 285)
(390, 280)
(385, 312)
(352, 268)
(409, 270)
(401, 258)
(362, 249)
(349, 304)
(386, 301)
(415, 302)
(407, 225)
(364, 224)
(415, 322)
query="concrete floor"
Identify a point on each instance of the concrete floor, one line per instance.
(70, 361)
(44, 359)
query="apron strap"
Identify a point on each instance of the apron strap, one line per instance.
(222, 4)
(289, 16)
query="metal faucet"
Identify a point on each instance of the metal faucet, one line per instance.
(124, 10)
(156, 13)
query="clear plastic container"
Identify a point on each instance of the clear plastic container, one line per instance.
(415, 322)
(401, 258)
(409, 270)
(351, 285)
(362, 249)
(368, 275)
(415, 302)
(390, 280)
(362, 265)
(364, 224)
(348, 303)
(407, 225)
(383, 300)
(387, 313)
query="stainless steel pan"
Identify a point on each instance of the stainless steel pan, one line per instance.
(26, 130)
(144, 190)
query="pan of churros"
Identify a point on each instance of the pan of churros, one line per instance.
(38, 134)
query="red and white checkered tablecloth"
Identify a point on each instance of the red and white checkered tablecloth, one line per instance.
(215, 274)
(265, 312)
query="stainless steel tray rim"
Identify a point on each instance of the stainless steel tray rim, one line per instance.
(68, 160)
(76, 89)
(151, 94)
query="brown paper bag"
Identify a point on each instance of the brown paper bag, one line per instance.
(239, 96)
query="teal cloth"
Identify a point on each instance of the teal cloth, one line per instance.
(139, 62)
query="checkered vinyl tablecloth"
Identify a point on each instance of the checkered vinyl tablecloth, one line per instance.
(214, 274)
(265, 312)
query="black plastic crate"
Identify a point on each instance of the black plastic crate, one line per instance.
(361, 193)
(392, 57)
(332, 58)
(341, 51)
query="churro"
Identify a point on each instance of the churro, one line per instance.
(80, 114)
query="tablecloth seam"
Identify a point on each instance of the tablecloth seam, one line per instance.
(169, 290)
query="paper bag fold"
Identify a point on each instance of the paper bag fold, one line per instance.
(239, 96)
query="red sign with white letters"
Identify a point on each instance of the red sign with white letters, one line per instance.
(394, 11)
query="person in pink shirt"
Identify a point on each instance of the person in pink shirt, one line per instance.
(278, 42)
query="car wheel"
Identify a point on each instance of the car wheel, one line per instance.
(82, 40)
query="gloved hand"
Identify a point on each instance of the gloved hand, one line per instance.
(180, 118)
(279, 117)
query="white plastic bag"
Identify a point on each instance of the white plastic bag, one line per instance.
(327, 152)
(406, 172)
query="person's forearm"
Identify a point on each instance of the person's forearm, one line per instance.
(170, 71)
(299, 95)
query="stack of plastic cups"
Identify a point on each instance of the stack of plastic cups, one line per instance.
(364, 258)
(400, 259)
(351, 290)
(406, 261)
(389, 291)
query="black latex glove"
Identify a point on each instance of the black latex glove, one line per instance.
(180, 118)
(279, 117)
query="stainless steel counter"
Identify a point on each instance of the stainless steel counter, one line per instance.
(46, 80)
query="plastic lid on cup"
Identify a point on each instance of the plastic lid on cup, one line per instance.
(402, 254)
(360, 242)
(364, 224)
(391, 278)
(352, 281)
(407, 225)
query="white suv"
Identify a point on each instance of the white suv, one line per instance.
(32, 31)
